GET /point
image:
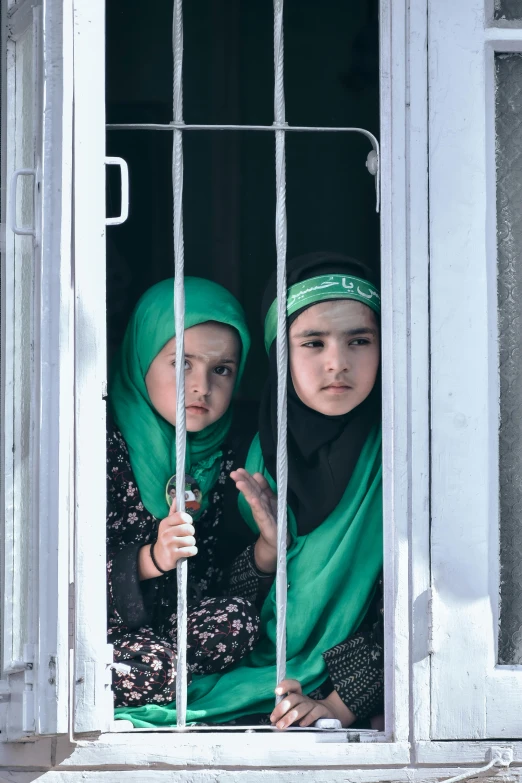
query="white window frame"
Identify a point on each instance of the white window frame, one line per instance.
(93, 706)
(35, 692)
(411, 652)
(472, 696)
(405, 366)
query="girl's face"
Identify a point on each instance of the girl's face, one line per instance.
(334, 355)
(211, 365)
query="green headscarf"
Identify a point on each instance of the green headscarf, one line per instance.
(332, 573)
(150, 439)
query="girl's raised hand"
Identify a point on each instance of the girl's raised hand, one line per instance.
(261, 500)
(263, 503)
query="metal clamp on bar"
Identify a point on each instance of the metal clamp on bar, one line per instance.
(124, 170)
(373, 166)
(328, 724)
(20, 230)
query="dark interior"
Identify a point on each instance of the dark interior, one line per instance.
(331, 78)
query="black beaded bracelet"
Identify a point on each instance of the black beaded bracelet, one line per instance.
(154, 559)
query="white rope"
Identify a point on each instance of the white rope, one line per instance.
(282, 347)
(179, 311)
(471, 773)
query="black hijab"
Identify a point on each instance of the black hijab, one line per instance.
(322, 450)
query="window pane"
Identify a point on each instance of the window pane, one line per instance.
(509, 239)
(508, 9)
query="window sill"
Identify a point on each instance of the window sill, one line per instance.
(228, 749)
(141, 750)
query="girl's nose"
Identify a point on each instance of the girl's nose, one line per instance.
(337, 359)
(199, 383)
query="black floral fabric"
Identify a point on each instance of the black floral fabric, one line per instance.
(220, 632)
(222, 625)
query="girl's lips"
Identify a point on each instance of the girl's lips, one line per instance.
(197, 409)
(337, 389)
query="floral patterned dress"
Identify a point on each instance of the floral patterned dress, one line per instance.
(222, 625)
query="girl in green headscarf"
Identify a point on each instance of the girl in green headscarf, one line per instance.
(146, 537)
(334, 622)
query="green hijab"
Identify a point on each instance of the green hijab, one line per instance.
(332, 572)
(150, 439)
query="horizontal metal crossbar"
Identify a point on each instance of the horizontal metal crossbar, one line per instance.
(171, 126)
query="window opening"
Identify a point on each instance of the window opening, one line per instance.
(122, 123)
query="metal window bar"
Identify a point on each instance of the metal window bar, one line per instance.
(279, 128)
(281, 346)
(179, 311)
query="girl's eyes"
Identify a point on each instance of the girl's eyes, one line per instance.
(222, 370)
(313, 344)
(320, 344)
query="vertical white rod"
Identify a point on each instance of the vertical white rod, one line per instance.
(282, 347)
(179, 315)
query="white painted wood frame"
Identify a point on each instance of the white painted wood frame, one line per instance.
(471, 696)
(38, 679)
(93, 708)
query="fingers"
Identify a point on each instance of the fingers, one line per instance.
(176, 538)
(261, 481)
(169, 547)
(288, 686)
(284, 706)
(172, 509)
(181, 532)
(295, 708)
(293, 694)
(250, 493)
(171, 538)
(178, 518)
(265, 487)
(243, 477)
(188, 551)
(317, 712)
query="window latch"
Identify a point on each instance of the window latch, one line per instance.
(15, 228)
(124, 170)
